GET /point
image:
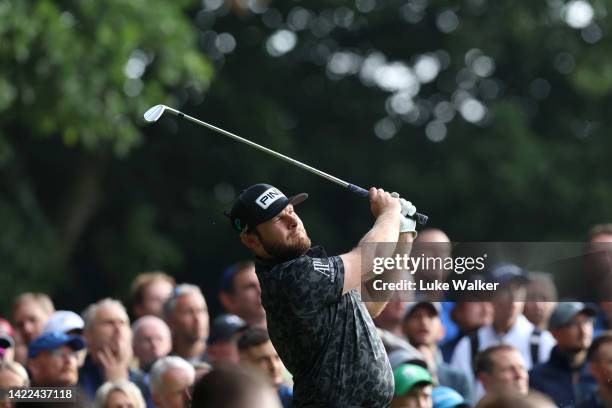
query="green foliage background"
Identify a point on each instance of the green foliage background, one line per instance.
(90, 196)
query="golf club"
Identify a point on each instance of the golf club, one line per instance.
(155, 112)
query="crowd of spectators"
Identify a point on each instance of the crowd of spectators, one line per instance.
(526, 350)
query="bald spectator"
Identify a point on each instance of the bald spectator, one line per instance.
(431, 243)
(151, 341)
(600, 361)
(30, 313)
(541, 299)
(231, 386)
(186, 313)
(502, 369)
(52, 359)
(240, 293)
(565, 376)
(171, 380)
(256, 350)
(149, 292)
(109, 341)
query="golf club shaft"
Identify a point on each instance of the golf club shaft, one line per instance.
(420, 218)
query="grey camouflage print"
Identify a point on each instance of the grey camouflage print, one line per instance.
(327, 340)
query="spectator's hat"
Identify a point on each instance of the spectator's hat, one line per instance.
(506, 272)
(259, 203)
(446, 397)
(435, 307)
(225, 327)
(565, 311)
(64, 321)
(54, 340)
(404, 356)
(409, 375)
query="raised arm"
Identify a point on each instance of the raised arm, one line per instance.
(386, 209)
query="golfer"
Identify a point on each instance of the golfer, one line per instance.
(321, 329)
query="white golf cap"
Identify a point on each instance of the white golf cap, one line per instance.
(64, 321)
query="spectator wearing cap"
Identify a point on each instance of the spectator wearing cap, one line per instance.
(256, 350)
(151, 341)
(171, 380)
(52, 359)
(240, 293)
(186, 313)
(469, 317)
(413, 387)
(541, 299)
(109, 341)
(423, 329)
(501, 368)
(446, 397)
(222, 342)
(65, 321)
(149, 292)
(509, 325)
(30, 313)
(565, 376)
(599, 357)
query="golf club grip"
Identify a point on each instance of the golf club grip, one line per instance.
(420, 218)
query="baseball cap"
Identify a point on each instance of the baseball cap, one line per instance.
(64, 321)
(404, 356)
(565, 311)
(224, 327)
(433, 306)
(505, 272)
(259, 203)
(446, 397)
(407, 376)
(54, 340)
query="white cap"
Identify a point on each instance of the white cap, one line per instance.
(64, 321)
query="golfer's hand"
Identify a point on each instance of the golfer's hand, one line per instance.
(382, 202)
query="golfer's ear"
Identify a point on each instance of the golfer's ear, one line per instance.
(251, 241)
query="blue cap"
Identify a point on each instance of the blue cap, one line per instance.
(505, 272)
(446, 397)
(53, 341)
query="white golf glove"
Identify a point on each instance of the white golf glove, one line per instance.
(407, 224)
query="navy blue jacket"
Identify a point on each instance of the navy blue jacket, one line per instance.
(555, 378)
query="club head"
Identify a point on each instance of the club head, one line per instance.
(154, 113)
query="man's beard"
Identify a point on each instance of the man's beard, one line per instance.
(286, 252)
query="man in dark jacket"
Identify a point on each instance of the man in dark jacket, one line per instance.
(565, 377)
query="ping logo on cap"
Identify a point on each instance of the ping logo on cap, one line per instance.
(269, 196)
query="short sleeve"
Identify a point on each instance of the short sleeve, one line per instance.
(313, 283)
